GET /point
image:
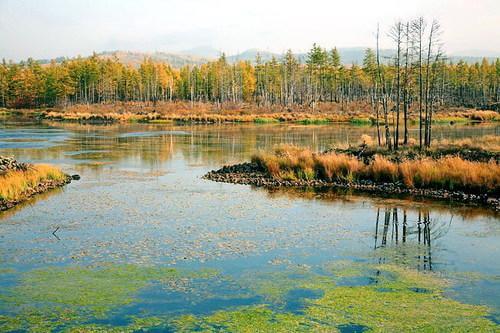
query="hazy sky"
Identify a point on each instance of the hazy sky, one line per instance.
(50, 28)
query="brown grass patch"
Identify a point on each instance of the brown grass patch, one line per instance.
(451, 173)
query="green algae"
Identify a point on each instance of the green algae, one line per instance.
(274, 286)
(97, 289)
(49, 298)
(247, 319)
(400, 299)
(137, 325)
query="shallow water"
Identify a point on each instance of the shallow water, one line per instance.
(142, 241)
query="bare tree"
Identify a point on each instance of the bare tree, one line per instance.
(434, 53)
(418, 29)
(406, 82)
(396, 33)
(381, 79)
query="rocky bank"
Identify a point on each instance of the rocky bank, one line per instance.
(252, 174)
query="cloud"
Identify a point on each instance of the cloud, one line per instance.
(50, 28)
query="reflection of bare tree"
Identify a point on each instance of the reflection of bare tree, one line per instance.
(422, 232)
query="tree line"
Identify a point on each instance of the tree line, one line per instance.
(418, 76)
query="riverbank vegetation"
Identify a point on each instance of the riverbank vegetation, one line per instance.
(209, 113)
(449, 172)
(19, 181)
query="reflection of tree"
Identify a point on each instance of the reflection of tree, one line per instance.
(210, 145)
(423, 232)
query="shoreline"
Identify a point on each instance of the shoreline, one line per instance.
(206, 113)
(22, 181)
(249, 173)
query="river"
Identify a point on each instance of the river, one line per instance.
(143, 243)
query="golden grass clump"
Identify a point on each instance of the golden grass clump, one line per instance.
(15, 184)
(451, 173)
(382, 170)
(338, 166)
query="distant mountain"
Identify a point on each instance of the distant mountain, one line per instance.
(251, 55)
(471, 59)
(174, 59)
(135, 58)
(348, 56)
(204, 54)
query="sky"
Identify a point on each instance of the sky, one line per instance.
(51, 28)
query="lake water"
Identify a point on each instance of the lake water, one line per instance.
(143, 243)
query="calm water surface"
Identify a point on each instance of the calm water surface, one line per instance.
(141, 235)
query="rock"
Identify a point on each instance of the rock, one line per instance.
(252, 174)
(75, 177)
(10, 164)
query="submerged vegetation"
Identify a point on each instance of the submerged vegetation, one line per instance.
(371, 297)
(19, 181)
(449, 172)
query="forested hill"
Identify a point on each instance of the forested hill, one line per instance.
(197, 56)
(176, 60)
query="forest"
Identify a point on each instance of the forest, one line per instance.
(417, 77)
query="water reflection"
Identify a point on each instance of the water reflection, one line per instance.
(151, 145)
(424, 231)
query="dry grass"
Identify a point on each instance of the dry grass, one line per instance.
(204, 113)
(354, 112)
(15, 184)
(486, 142)
(451, 173)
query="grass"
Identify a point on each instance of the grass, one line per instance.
(266, 120)
(359, 113)
(464, 116)
(361, 121)
(485, 142)
(450, 172)
(15, 184)
(313, 121)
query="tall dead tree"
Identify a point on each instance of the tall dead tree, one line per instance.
(406, 82)
(433, 55)
(385, 107)
(418, 28)
(396, 34)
